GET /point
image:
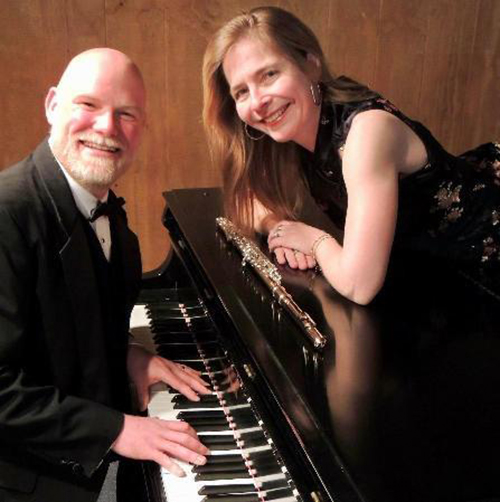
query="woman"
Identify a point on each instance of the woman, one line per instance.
(278, 122)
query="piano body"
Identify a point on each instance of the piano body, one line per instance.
(402, 404)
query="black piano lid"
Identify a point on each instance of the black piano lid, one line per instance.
(404, 403)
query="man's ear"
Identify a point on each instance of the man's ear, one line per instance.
(314, 66)
(51, 104)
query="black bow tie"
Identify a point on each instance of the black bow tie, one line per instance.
(109, 208)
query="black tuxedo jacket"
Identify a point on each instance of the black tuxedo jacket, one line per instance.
(56, 419)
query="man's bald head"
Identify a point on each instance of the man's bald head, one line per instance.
(97, 114)
(96, 61)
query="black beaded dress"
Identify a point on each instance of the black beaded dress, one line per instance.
(449, 209)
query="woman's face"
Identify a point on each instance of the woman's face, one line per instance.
(272, 94)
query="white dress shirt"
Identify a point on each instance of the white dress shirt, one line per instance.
(86, 202)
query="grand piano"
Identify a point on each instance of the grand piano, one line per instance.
(401, 404)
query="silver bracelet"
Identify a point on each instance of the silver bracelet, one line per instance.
(317, 242)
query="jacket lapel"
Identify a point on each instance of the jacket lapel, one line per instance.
(130, 256)
(78, 270)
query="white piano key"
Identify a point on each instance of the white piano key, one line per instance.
(139, 328)
(139, 317)
(177, 489)
(187, 488)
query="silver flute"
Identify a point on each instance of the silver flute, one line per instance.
(269, 273)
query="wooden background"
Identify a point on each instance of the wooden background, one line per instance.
(438, 60)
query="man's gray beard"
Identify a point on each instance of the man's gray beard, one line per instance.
(97, 172)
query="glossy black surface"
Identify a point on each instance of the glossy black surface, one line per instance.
(404, 402)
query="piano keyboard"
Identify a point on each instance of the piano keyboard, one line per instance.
(243, 465)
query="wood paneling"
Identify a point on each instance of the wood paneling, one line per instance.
(138, 28)
(401, 52)
(439, 60)
(354, 55)
(481, 119)
(449, 42)
(32, 55)
(85, 25)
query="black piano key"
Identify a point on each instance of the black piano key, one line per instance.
(244, 422)
(245, 497)
(242, 411)
(184, 341)
(222, 467)
(187, 405)
(162, 310)
(223, 386)
(170, 324)
(251, 443)
(173, 337)
(210, 427)
(250, 439)
(279, 494)
(179, 293)
(197, 365)
(194, 325)
(226, 489)
(196, 343)
(197, 423)
(209, 398)
(176, 352)
(163, 331)
(265, 470)
(215, 476)
(166, 312)
(165, 295)
(186, 351)
(262, 456)
(275, 484)
(199, 415)
(264, 462)
(218, 443)
(220, 459)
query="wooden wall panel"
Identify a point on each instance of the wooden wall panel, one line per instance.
(138, 28)
(32, 53)
(439, 60)
(85, 24)
(353, 39)
(481, 118)
(401, 52)
(449, 42)
(189, 26)
(314, 14)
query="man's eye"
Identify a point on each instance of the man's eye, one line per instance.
(128, 115)
(87, 105)
(270, 74)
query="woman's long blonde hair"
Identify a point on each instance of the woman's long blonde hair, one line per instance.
(264, 170)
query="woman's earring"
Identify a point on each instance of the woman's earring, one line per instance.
(316, 93)
(253, 138)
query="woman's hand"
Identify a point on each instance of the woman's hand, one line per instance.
(291, 242)
(293, 258)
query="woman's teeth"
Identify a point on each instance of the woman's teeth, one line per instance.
(276, 115)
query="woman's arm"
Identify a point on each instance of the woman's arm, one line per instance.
(378, 147)
(263, 219)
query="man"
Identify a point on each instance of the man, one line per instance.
(69, 279)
